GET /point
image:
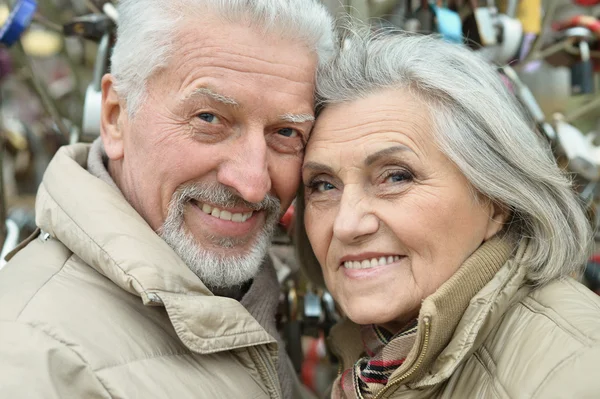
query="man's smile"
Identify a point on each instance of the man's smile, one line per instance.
(228, 214)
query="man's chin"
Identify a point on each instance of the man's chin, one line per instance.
(225, 246)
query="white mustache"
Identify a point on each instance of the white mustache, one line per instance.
(218, 195)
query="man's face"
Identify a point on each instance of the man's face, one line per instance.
(213, 155)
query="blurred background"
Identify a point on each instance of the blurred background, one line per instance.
(54, 52)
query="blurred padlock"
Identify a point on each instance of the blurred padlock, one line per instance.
(436, 18)
(313, 313)
(93, 95)
(480, 28)
(426, 17)
(510, 39)
(528, 100)
(410, 23)
(292, 329)
(17, 22)
(579, 151)
(447, 23)
(91, 27)
(582, 72)
(313, 310)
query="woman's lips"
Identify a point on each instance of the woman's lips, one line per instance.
(370, 267)
(371, 262)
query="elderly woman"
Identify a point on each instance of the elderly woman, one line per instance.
(445, 231)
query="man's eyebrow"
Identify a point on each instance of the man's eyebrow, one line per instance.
(297, 118)
(206, 92)
(371, 159)
(316, 167)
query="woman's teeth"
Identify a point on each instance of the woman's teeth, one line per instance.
(224, 215)
(369, 263)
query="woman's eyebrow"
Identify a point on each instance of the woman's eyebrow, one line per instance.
(371, 159)
(316, 167)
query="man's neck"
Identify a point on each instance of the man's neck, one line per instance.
(237, 292)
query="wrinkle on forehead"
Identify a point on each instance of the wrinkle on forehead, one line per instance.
(244, 49)
(259, 73)
(362, 124)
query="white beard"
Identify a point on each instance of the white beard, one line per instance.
(218, 271)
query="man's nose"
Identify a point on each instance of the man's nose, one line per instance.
(246, 168)
(355, 219)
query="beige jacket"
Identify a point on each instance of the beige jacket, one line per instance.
(98, 306)
(486, 334)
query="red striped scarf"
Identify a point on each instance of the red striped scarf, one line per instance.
(385, 353)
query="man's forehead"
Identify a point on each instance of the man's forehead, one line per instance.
(243, 52)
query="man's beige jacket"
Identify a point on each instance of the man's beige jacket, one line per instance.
(98, 306)
(485, 334)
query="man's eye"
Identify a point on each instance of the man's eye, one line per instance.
(209, 118)
(288, 132)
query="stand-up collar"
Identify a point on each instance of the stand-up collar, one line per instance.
(99, 226)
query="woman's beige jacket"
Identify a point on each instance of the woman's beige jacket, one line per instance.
(486, 334)
(98, 306)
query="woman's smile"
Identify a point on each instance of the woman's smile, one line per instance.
(372, 267)
(368, 261)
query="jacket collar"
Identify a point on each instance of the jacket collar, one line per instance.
(98, 225)
(454, 320)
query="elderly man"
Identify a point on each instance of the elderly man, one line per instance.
(148, 278)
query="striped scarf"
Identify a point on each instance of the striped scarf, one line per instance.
(385, 353)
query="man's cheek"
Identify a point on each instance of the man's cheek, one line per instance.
(286, 180)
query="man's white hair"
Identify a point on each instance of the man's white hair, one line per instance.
(147, 30)
(480, 127)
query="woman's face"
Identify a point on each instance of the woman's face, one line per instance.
(389, 217)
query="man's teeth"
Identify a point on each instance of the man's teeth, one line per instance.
(225, 215)
(369, 263)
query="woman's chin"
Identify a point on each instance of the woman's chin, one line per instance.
(370, 316)
(381, 313)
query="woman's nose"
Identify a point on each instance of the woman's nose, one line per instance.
(355, 219)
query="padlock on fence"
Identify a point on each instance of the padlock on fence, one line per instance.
(578, 149)
(480, 28)
(17, 22)
(91, 27)
(448, 23)
(435, 18)
(582, 72)
(292, 326)
(93, 96)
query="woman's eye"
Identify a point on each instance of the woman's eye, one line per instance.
(288, 132)
(323, 186)
(398, 177)
(208, 117)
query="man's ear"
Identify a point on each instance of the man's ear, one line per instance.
(498, 217)
(112, 120)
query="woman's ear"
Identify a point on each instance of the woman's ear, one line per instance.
(499, 215)
(112, 120)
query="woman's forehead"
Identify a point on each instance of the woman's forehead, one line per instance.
(363, 126)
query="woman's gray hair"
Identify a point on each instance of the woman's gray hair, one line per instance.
(147, 31)
(481, 128)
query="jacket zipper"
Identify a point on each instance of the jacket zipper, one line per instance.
(410, 372)
(265, 366)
